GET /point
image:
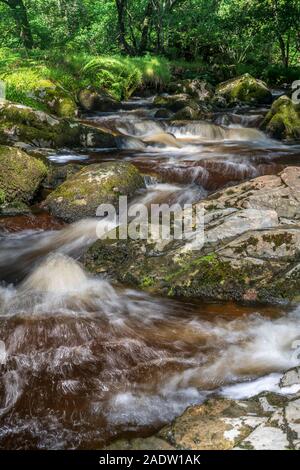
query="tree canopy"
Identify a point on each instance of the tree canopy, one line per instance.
(227, 31)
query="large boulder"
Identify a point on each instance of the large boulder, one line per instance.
(268, 421)
(92, 100)
(80, 195)
(251, 249)
(20, 177)
(55, 100)
(33, 87)
(185, 107)
(175, 102)
(195, 88)
(283, 119)
(244, 89)
(20, 123)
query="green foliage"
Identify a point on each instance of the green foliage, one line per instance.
(117, 76)
(120, 76)
(27, 75)
(77, 41)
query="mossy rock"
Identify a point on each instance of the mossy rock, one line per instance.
(30, 86)
(198, 89)
(90, 99)
(246, 255)
(20, 123)
(56, 100)
(283, 120)
(81, 194)
(200, 111)
(245, 89)
(186, 113)
(163, 113)
(20, 178)
(2, 197)
(176, 102)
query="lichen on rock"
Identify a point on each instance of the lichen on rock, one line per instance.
(20, 177)
(81, 194)
(251, 250)
(20, 123)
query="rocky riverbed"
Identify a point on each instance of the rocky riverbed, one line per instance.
(268, 421)
(105, 339)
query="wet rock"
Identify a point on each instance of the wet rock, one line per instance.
(244, 89)
(163, 113)
(80, 195)
(22, 124)
(199, 89)
(57, 174)
(186, 113)
(267, 421)
(20, 178)
(176, 102)
(290, 378)
(218, 424)
(92, 100)
(185, 107)
(93, 137)
(283, 120)
(250, 250)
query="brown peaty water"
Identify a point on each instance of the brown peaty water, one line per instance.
(83, 362)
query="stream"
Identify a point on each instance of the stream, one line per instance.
(84, 362)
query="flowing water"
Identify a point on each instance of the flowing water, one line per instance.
(83, 361)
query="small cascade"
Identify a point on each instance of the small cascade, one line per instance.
(241, 120)
(205, 131)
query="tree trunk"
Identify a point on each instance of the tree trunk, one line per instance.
(121, 8)
(19, 13)
(146, 27)
(284, 51)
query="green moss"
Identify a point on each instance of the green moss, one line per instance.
(31, 86)
(283, 120)
(36, 127)
(147, 281)
(81, 194)
(20, 175)
(245, 89)
(210, 258)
